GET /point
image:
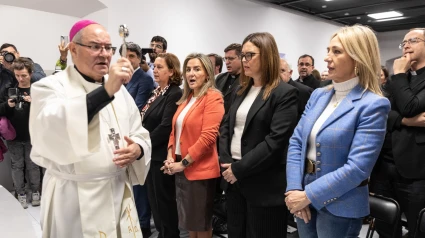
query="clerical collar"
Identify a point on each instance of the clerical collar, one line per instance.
(418, 72)
(87, 78)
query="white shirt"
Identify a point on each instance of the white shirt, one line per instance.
(241, 114)
(179, 123)
(341, 91)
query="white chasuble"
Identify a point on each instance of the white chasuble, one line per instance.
(84, 193)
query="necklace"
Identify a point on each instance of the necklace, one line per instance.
(337, 101)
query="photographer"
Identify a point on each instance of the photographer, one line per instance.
(37, 73)
(7, 78)
(17, 109)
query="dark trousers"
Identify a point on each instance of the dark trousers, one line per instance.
(409, 193)
(20, 158)
(247, 221)
(142, 205)
(162, 198)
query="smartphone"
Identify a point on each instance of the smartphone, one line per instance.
(64, 40)
(13, 93)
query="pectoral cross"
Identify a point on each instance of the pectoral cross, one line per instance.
(115, 137)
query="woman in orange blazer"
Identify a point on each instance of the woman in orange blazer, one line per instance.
(192, 149)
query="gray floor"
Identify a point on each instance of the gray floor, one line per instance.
(34, 213)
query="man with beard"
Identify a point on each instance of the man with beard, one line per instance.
(159, 45)
(305, 67)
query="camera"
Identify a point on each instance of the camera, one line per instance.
(16, 97)
(146, 50)
(8, 57)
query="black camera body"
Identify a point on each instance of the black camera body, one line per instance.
(146, 50)
(16, 97)
(8, 57)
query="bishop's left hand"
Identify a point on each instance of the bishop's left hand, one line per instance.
(127, 155)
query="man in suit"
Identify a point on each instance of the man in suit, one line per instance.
(229, 81)
(304, 92)
(305, 67)
(141, 84)
(140, 88)
(403, 176)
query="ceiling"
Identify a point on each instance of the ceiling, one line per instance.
(75, 8)
(349, 12)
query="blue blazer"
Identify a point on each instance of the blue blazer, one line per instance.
(348, 145)
(140, 87)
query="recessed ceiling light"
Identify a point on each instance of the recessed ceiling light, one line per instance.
(359, 17)
(346, 13)
(391, 19)
(328, 0)
(324, 6)
(383, 15)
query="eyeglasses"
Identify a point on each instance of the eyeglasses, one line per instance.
(304, 64)
(158, 46)
(248, 55)
(96, 48)
(411, 41)
(230, 59)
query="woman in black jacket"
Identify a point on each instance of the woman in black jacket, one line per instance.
(254, 137)
(157, 116)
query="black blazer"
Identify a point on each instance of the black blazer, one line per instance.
(304, 93)
(227, 92)
(310, 81)
(158, 119)
(407, 100)
(269, 124)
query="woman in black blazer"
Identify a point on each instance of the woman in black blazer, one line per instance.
(157, 116)
(254, 137)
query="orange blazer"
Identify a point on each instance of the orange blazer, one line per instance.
(199, 135)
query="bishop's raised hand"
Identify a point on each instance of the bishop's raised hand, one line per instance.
(120, 73)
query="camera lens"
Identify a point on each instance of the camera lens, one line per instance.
(9, 57)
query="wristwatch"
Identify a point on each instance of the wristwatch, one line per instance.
(185, 162)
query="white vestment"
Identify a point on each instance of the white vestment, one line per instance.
(84, 193)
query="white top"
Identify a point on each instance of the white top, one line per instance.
(241, 114)
(179, 123)
(341, 91)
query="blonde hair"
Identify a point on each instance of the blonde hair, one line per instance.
(362, 46)
(270, 63)
(210, 80)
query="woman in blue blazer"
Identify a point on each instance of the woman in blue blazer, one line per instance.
(338, 139)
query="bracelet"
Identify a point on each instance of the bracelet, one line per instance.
(63, 61)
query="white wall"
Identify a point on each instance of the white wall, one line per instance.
(187, 25)
(190, 26)
(388, 44)
(35, 33)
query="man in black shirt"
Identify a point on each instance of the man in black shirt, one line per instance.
(401, 174)
(229, 81)
(17, 110)
(305, 67)
(304, 92)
